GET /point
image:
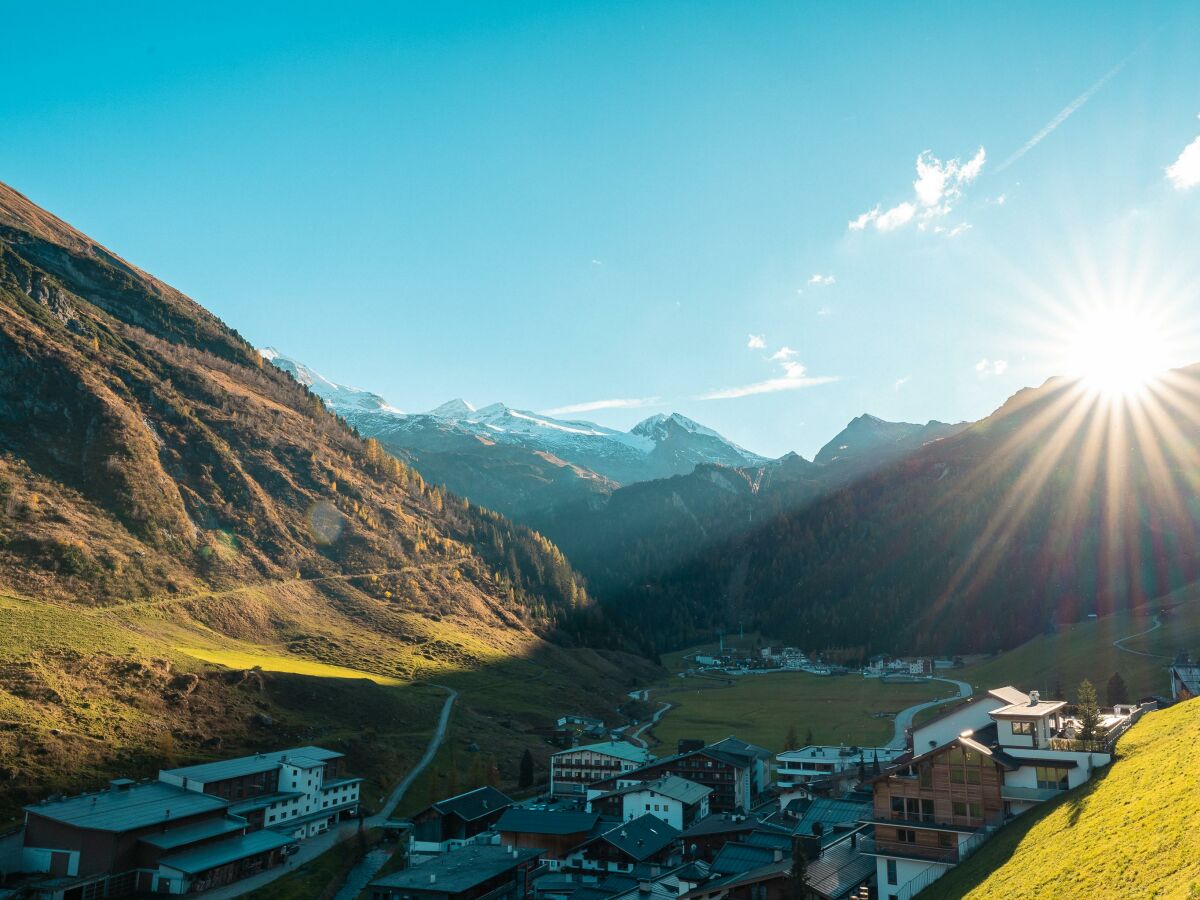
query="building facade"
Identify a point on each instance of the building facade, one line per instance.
(571, 771)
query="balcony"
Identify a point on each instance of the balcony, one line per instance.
(1028, 794)
(945, 855)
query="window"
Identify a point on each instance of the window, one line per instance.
(945, 840)
(975, 810)
(959, 808)
(926, 774)
(1051, 778)
(912, 808)
(892, 876)
(1022, 728)
(906, 836)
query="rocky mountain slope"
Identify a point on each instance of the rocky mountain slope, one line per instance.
(163, 487)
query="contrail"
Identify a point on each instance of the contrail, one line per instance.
(1067, 111)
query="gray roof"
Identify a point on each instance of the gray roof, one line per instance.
(205, 773)
(189, 834)
(737, 745)
(209, 856)
(546, 821)
(133, 807)
(458, 871)
(474, 804)
(735, 858)
(827, 811)
(640, 838)
(670, 786)
(840, 870)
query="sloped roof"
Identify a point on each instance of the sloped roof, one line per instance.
(724, 823)
(840, 870)
(827, 811)
(133, 807)
(1009, 695)
(620, 749)
(640, 838)
(546, 821)
(189, 834)
(737, 745)
(474, 804)
(735, 858)
(210, 856)
(205, 773)
(459, 871)
(670, 786)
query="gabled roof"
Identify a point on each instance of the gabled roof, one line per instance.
(474, 804)
(546, 821)
(639, 838)
(967, 743)
(620, 749)
(205, 773)
(736, 745)
(671, 786)
(724, 823)
(827, 811)
(840, 869)
(735, 858)
(132, 807)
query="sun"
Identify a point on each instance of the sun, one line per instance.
(1116, 352)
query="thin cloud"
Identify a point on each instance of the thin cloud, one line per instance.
(794, 377)
(819, 279)
(901, 382)
(757, 342)
(937, 189)
(1066, 112)
(592, 405)
(987, 367)
(1184, 173)
(783, 353)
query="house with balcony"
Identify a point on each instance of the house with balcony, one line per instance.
(930, 811)
(678, 802)
(455, 821)
(729, 772)
(571, 771)
(645, 845)
(797, 768)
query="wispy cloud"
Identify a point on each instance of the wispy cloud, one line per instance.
(1184, 173)
(991, 367)
(1066, 112)
(783, 353)
(756, 342)
(794, 377)
(592, 405)
(819, 279)
(901, 382)
(937, 189)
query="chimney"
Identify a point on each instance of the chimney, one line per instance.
(1034, 698)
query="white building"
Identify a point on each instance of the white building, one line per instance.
(796, 768)
(571, 771)
(678, 802)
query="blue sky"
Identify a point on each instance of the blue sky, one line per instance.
(564, 204)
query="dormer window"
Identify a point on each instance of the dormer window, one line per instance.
(1023, 727)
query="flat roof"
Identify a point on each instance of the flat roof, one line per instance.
(1028, 710)
(172, 838)
(210, 856)
(458, 871)
(546, 821)
(305, 757)
(619, 749)
(129, 808)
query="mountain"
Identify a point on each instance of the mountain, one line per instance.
(1145, 805)
(190, 544)
(1060, 504)
(868, 443)
(519, 462)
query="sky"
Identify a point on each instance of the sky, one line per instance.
(771, 217)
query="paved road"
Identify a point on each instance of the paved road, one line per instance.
(315, 846)
(658, 714)
(1120, 642)
(904, 718)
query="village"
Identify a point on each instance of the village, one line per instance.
(724, 820)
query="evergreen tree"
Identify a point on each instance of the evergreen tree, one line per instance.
(525, 779)
(875, 770)
(792, 741)
(1087, 711)
(1116, 691)
(798, 876)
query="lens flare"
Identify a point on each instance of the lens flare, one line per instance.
(1117, 353)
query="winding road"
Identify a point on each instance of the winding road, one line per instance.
(315, 846)
(1120, 642)
(904, 718)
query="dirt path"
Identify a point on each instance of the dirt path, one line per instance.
(1119, 643)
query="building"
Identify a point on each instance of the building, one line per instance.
(759, 758)
(627, 847)
(678, 802)
(968, 716)
(729, 774)
(455, 821)
(933, 810)
(148, 837)
(1185, 679)
(299, 792)
(471, 872)
(571, 771)
(705, 839)
(797, 768)
(553, 833)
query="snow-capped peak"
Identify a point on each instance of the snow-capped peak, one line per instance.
(452, 409)
(657, 427)
(339, 397)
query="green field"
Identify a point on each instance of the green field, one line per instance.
(1129, 832)
(761, 708)
(239, 658)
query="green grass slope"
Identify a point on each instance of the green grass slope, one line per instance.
(1130, 832)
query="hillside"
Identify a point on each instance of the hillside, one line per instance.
(1129, 832)
(161, 490)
